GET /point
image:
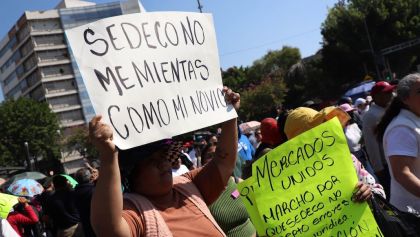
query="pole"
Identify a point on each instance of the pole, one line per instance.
(200, 7)
(28, 160)
(371, 49)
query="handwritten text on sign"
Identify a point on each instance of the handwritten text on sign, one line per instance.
(304, 188)
(151, 75)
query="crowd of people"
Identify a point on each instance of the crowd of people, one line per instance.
(173, 188)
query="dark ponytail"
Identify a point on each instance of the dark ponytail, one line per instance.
(391, 112)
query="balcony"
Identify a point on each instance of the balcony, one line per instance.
(60, 93)
(71, 123)
(65, 107)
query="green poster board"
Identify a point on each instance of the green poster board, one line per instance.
(304, 188)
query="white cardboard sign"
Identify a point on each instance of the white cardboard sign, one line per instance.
(151, 75)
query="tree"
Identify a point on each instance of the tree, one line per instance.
(236, 78)
(25, 120)
(262, 85)
(306, 80)
(79, 141)
(347, 53)
(260, 102)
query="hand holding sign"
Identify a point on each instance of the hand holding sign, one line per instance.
(363, 192)
(101, 136)
(232, 98)
(154, 85)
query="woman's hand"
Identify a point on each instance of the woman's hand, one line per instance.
(23, 201)
(232, 98)
(363, 192)
(101, 136)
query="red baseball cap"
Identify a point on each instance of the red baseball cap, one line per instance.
(382, 87)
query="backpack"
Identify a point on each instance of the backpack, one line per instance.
(393, 222)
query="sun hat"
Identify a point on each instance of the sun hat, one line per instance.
(302, 119)
(346, 107)
(382, 87)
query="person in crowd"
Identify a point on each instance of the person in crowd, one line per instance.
(302, 119)
(354, 139)
(228, 210)
(270, 137)
(344, 100)
(61, 208)
(94, 171)
(178, 168)
(40, 201)
(83, 194)
(361, 105)
(246, 150)
(258, 138)
(6, 230)
(212, 138)
(399, 129)
(195, 153)
(23, 214)
(309, 104)
(157, 204)
(355, 116)
(369, 99)
(382, 94)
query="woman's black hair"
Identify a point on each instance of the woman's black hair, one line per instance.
(391, 112)
(403, 92)
(281, 123)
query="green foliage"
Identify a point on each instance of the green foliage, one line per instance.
(236, 78)
(260, 102)
(26, 120)
(346, 51)
(262, 85)
(306, 80)
(79, 141)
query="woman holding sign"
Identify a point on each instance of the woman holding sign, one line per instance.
(303, 119)
(157, 204)
(400, 131)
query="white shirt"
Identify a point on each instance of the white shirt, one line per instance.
(193, 158)
(353, 136)
(401, 140)
(180, 171)
(7, 230)
(375, 151)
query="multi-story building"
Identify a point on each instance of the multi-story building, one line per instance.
(36, 62)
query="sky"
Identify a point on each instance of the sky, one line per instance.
(246, 30)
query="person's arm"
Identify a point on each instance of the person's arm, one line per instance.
(227, 147)
(401, 168)
(107, 200)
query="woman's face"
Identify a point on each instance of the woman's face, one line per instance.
(413, 100)
(153, 176)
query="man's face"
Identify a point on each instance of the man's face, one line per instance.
(383, 98)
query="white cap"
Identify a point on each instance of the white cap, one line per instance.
(359, 101)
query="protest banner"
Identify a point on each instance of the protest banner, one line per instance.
(246, 191)
(6, 203)
(151, 75)
(304, 188)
